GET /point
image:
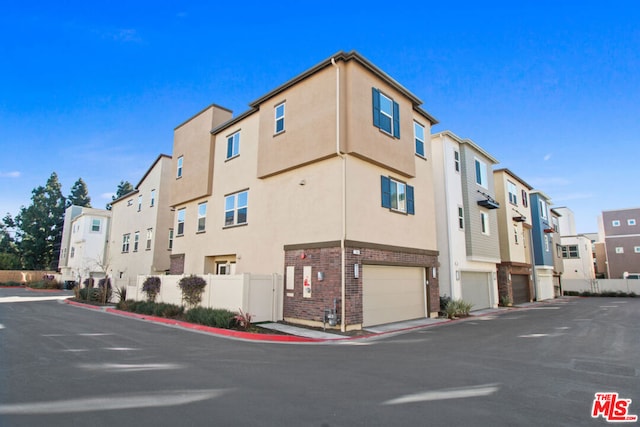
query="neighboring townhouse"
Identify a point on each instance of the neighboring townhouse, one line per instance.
(514, 228)
(575, 249)
(621, 234)
(84, 243)
(326, 180)
(558, 259)
(599, 254)
(543, 245)
(141, 232)
(468, 237)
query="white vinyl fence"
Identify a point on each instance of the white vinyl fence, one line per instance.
(259, 295)
(602, 285)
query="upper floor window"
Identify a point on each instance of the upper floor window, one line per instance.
(570, 251)
(235, 208)
(515, 235)
(179, 170)
(525, 199)
(513, 191)
(546, 243)
(233, 145)
(418, 131)
(139, 203)
(149, 238)
(636, 249)
(615, 223)
(136, 241)
(460, 218)
(619, 250)
(170, 238)
(153, 198)
(543, 210)
(202, 216)
(397, 195)
(386, 113)
(95, 225)
(631, 222)
(481, 173)
(484, 222)
(181, 216)
(279, 116)
(456, 160)
(73, 252)
(125, 242)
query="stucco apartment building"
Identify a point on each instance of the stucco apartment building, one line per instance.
(327, 181)
(466, 220)
(84, 243)
(620, 231)
(515, 272)
(141, 233)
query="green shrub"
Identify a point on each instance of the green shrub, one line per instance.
(192, 288)
(90, 294)
(46, 283)
(151, 287)
(121, 293)
(457, 308)
(11, 283)
(216, 317)
(167, 310)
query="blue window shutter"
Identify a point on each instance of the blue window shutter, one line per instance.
(376, 106)
(396, 120)
(386, 191)
(410, 203)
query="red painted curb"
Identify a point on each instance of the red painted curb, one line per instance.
(41, 290)
(79, 304)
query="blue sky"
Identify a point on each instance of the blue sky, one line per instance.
(95, 89)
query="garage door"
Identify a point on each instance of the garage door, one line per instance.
(392, 294)
(475, 289)
(520, 285)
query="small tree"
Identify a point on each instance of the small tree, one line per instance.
(151, 287)
(192, 288)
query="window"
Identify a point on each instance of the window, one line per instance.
(181, 215)
(179, 171)
(139, 203)
(543, 209)
(397, 195)
(481, 173)
(556, 224)
(418, 131)
(513, 191)
(570, 251)
(235, 208)
(233, 144)
(619, 250)
(95, 225)
(636, 249)
(170, 238)
(202, 216)
(525, 199)
(73, 251)
(560, 251)
(136, 241)
(125, 242)
(460, 218)
(484, 223)
(149, 237)
(153, 198)
(280, 118)
(456, 160)
(515, 234)
(631, 222)
(386, 113)
(546, 243)
(615, 223)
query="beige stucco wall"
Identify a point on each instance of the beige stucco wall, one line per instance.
(194, 143)
(510, 251)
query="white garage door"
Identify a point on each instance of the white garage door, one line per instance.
(392, 294)
(475, 289)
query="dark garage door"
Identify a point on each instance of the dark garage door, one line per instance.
(520, 284)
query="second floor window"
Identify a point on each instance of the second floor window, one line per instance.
(386, 113)
(543, 210)
(139, 203)
(484, 222)
(95, 225)
(279, 116)
(125, 242)
(513, 191)
(170, 238)
(460, 218)
(233, 145)
(202, 216)
(570, 251)
(418, 130)
(181, 216)
(397, 195)
(235, 208)
(456, 160)
(149, 238)
(153, 198)
(481, 173)
(136, 241)
(179, 168)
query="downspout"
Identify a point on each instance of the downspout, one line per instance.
(344, 204)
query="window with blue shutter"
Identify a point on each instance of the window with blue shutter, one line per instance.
(386, 113)
(397, 196)
(386, 192)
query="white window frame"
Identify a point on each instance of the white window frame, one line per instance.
(202, 217)
(544, 214)
(139, 202)
(73, 252)
(232, 204)
(512, 189)
(631, 221)
(233, 140)
(279, 117)
(96, 222)
(481, 173)
(615, 223)
(456, 160)
(484, 223)
(515, 235)
(547, 247)
(419, 140)
(179, 168)
(460, 218)
(152, 202)
(398, 195)
(136, 241)
(619, 250)
(181, 220)
(170, 247)
(149, 238)
(636, 249)
(126, 238)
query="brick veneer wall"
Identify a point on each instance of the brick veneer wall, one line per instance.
(326, 258)
(505, 286)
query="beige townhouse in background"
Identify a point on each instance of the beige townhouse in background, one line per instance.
(515, 271)
(141, 232)
(466, 220)
(326, 180)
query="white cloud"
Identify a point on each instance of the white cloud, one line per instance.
(547, 157)
(12, 174)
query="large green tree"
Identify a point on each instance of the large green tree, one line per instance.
(9, 255)
(39, 226)
(124, 187)
(79, 195)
